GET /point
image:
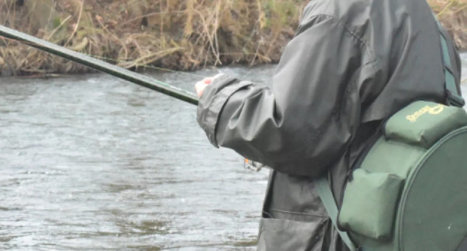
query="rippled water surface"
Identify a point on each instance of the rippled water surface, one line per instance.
(93, 163)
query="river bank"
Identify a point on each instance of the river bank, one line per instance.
(178, 34)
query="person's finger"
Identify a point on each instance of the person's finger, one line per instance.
(207, 80)
(199, 87)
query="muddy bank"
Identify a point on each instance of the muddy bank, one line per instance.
(175, 34)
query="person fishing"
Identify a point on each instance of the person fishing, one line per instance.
(351, 65)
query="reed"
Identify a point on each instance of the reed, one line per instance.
(175, 34)
(453, 16)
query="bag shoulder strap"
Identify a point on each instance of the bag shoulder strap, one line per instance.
(324, 191)
(453, 94)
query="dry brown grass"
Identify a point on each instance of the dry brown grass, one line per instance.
(453, 16)
(176, 34)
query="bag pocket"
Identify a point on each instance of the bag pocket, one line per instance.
(422, 123)
(369, 204)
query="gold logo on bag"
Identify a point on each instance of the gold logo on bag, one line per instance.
(433, 110)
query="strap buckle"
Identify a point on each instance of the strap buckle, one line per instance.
(454, 99)
(453, 96)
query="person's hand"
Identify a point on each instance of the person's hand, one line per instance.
(201, 85)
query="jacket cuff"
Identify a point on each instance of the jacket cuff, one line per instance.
(213, 100)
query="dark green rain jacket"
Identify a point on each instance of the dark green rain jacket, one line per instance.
(352, 64)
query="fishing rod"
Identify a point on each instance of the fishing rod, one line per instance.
(111, 69)
(100, 65)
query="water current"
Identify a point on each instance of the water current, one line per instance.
(94, 163)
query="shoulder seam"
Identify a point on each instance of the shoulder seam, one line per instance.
(301, 28)
(362, 41)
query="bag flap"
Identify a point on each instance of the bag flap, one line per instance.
(422, 123)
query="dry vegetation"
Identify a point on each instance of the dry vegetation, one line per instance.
(453, 16)
(176, 34)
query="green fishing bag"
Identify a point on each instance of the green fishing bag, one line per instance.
(410, 191)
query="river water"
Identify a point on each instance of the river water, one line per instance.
(94, 163)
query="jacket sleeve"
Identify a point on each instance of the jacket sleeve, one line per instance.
(306, 119)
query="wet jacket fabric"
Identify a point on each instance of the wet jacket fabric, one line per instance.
(352, 64)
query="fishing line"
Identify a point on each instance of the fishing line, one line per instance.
(152, 67)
